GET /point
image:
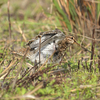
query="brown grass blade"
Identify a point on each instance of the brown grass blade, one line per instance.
(92, 49)
(11, 64)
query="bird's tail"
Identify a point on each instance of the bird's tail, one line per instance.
(22, 52)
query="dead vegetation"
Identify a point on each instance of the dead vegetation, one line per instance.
(77, 75)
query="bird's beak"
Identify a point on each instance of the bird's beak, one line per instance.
(82, 47)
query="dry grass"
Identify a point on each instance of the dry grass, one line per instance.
(69, 79)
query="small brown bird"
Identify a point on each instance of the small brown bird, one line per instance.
(47, 43)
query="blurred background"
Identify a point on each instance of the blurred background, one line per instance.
(78, 17)
(33, 16)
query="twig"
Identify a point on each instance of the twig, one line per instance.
(6, 75)
(93, 1)
(23, 77)
(99, 63)
(3, 76)
(83, 65)
(92, 49)
(28, 97)
(56, 71)
(11, 64)
(79, 64)
(86, 65)
(21, 32)
(9, 20)
(39, 49)
(16, 77)
(37, 88)
(85, 87)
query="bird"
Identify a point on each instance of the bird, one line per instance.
(46, 44)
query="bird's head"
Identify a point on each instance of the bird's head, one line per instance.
(70, 39)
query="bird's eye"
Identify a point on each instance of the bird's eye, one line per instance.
(54, 41)
(71, 37)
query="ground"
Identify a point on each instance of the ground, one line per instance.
(70, 79)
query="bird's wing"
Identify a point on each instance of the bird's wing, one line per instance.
(35, 43)
(56, 38)
(46, 38)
